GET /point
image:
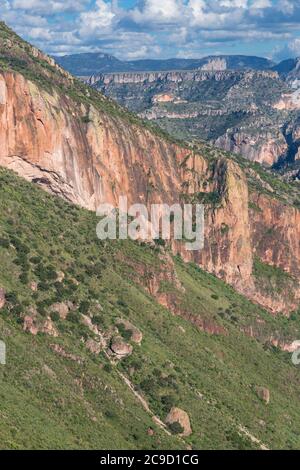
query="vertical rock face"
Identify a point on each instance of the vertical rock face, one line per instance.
(265, 148)
(89, 156)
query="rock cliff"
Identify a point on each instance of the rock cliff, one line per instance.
(68, 138)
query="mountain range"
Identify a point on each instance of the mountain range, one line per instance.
(88, 64)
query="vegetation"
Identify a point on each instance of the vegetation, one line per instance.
(49, 400)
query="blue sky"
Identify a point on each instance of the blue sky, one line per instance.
(136, 29)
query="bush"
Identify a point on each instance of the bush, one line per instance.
(84, 307)
(4, 243)
(54, 316)
(176, 428)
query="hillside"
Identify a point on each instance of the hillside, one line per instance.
(76, 143)
(63, 388)
(94, 63)
(137, 345)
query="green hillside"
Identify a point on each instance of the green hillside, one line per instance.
(55, 393)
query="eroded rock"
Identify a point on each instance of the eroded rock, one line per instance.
(120, 348)
(263, 393)
(180, 416)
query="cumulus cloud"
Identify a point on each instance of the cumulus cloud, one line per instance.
(156, 28)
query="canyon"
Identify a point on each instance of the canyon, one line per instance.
(139, 344)
(91, 152)
(241, 111)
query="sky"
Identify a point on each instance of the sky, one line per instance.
(138, 29)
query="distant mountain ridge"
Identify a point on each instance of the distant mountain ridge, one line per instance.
(93, 63)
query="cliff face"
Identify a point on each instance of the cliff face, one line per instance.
(264, 147)
(88, 157)
(244, 112)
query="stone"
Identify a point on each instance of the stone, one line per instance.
(60, 276)
(263, 393)
(180, 416)
(2, 297)
(120, 348)
(49, 329)
(62, 308)
(30, 326)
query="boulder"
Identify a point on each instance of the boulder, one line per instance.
(30, 325)
(2, 297)
(61, 308)
(60, 276)
(48, 328)
(263, 393)
(120, 348)
(177, 415)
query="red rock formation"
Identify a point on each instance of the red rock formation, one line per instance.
(88, 156)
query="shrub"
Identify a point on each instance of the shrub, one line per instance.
(84, 307)
(54, 316)
(176, 428)
(4, 243)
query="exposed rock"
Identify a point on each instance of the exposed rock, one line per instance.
(29, 325)
(33, 286)
(177, 415)
(34, 325)
(120, 348)
(58, 349)
(136, 334)
(61, 308)
(2, 297)
(60, 276)
(47, 139)
(93, 346)
(48, 328)
(263, 393)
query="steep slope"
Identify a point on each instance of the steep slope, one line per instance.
(67, 137)
(65, 293)
(94, 63)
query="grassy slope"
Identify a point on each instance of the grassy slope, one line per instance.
(87, 405)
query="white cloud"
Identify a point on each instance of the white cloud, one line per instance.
(98, 21)
(258, 4)
(50, 6)
(167, 11)
(155, 28)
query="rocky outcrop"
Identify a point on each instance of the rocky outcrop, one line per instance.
(120, 348)
(265, 148)
(177, 415)
(263, 393)
(33, 324)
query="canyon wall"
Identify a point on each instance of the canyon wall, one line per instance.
(88, 157)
